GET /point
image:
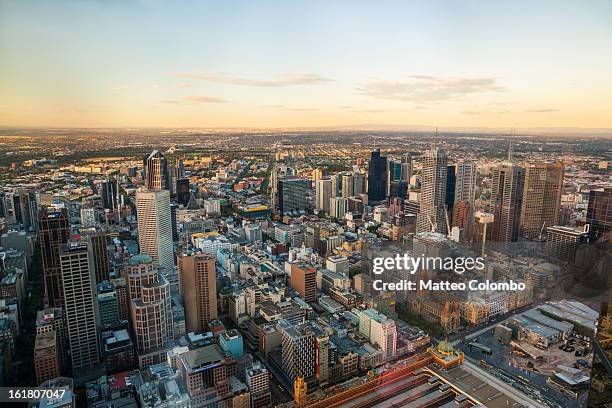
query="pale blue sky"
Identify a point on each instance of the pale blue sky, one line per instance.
(289, 63)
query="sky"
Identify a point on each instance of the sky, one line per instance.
(275, 64)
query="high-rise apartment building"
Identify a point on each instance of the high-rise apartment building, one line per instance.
(150, 309)
(197, 279)
(80, 304)
(156, 173)
(599, 215)
(323, 193)
(298, 350)
(54, 232)
(561, 242)
(304, 281)
(338, 206)
(432, 211)
(541, 198)
(377, 177)
(155, 226)
(506, 201)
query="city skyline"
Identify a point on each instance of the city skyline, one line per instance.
(305, 65)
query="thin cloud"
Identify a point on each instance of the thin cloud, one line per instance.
(425, 88)
(135, 87)
(484, 112)
(183, 85)
(170, 101)
(543, 110)
(203, 99)
(285, 80)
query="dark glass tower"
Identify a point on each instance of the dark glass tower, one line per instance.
(377, 177)
(54, 232)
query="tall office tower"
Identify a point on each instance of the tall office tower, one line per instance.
(317, 174)
(338, 207)
(110, 194)
(506, 201)
(599, 215)
(2, 204)
(406, 165)
(298, 350)
(156, 173)
(150, 309)
(451, 179)
(432, 211)
(27, 207)
(292, 195)
(377, 177)
(183, 194)
(197, 279)
(52, 319)
(99, 247)
(54, 232)
(46, 357)
(541, 198)
(81, 308)
(323, 193)
(465, 191)
(155, 226)
(257, 379)
(359, 184)
(347, 185)
(394, 175)
(304, 281)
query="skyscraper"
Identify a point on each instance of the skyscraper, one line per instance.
(323, 192)
(54, 232)
(99, 246)
(183, 194)
(155, 226)
(150, 309)
(406, 168)
(197, 277)
(432, 211)
(506, 201)
(377, 177)
(81, 308)
(599, 215)
(156, 172)
(451, 179)
(110, 194)
(465, 191)
(541, 198)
